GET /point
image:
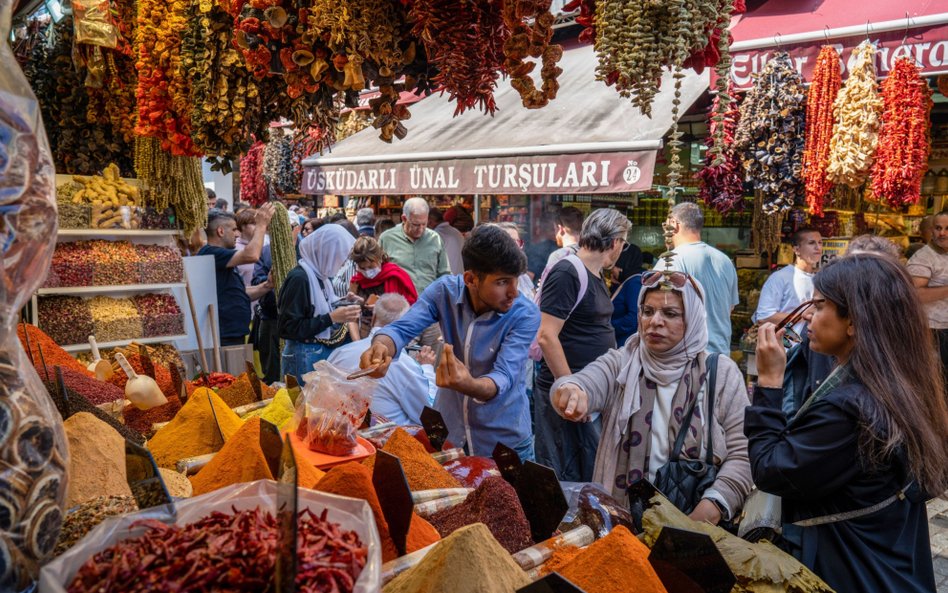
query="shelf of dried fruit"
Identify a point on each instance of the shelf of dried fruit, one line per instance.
(114, 273)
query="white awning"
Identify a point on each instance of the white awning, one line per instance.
(587, 118)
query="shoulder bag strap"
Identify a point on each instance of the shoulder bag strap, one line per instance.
(583, 275)
(711, 369)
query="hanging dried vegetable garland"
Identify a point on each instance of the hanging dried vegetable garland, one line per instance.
(282, 246)
(821, 97)
(464, 41)
(278, 164)
(857, 113)
(770, 134)
(253, 189)
(722, 177)
(163, 103)
(902, 157)
(586, 18)
(766, 227)
(115, 100)
(531, 40)
(371, 29)
(172, 181)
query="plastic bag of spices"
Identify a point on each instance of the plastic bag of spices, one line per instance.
(330, 410)
(351, 527)
(33, 458)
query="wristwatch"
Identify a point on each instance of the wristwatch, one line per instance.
(720, 506)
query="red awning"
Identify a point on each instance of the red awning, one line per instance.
(913, 28)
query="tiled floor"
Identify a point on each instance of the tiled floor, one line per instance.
(938, 525)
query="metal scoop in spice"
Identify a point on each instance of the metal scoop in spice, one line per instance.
(141, 390)
(102, 368)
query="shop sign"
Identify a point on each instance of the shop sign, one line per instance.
(832, 249)
(928, 46)
(590, 173)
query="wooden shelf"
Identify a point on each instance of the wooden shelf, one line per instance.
(108, 289)
(154, 340)
(117, 233)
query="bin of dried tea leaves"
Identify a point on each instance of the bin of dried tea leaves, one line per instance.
(82, 519)
(116, 262)
(65, 319)
(159, 264)
(114, 319)
(71, 215)
(160, 315)
(71, 265)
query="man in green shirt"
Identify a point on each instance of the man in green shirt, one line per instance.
(416, 248)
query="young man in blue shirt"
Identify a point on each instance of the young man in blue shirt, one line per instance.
(488, 327)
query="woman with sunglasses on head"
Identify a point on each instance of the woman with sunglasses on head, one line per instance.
(856, 463)
(656, 389)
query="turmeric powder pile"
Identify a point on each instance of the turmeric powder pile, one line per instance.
(612, 564)
(193, 432)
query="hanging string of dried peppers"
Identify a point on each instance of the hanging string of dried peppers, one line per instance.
(531, 40)
(253, 189)
(904, 145)
(821, 97)
(163, 104)
(770, 134)
(464, 40)
(857, 113)
(722, 177)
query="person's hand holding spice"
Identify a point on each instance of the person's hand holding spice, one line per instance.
(452, 374)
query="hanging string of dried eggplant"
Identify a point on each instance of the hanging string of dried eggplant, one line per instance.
(169, 180)
(162, 94)
(904, 142)
(82, 142)
(531, 40)
(722, 178)
(766, 227)
(857, 113)
(464, 41)
(278, 164)
(226, 105)
(636, 40)
(253, 189)
(821, 97)
(770, 134)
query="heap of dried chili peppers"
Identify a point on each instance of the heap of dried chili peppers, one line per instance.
(224, 552)
(819, 127)
(902, 156)
(465, 41)
(722, 183)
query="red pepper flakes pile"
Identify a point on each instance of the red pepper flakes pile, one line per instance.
(52, 354)
(214, 381)
(819, 127)
(224, 552)
(902, 156)
(94, 391)
(465, 42)
(495, 504)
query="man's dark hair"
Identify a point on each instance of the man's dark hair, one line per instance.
(215, 218)
(382, 225)
(347, 224)
(571, 218)
(221, 204)
(210, 193)
(797, 237)
(490, 250)
(436, 215)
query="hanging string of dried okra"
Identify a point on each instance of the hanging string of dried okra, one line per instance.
(282, 249)
(168, 180)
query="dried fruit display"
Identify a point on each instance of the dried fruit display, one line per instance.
(821, 97)
(857, 112)
(253, 189)
(531, 40)
(770, 134)
(361, 30)
(722, 177)
(464, 41)
(904, 143)
(114, 100)
(163, 86)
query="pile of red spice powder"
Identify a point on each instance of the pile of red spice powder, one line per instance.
(495, 504)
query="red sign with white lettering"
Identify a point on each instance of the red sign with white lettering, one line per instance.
(928, 46)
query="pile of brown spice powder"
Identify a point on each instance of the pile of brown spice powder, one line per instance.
(495, 504)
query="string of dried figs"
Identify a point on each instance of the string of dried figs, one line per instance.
(531, 40)
(902, 157)
(821, 97)
(464, 41)
(857, 113)
(770, 134)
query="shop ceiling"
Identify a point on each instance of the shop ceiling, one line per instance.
(586, 118)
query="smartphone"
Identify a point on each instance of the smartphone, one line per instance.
(345, 303)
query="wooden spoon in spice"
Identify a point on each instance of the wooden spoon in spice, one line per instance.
(102, 368)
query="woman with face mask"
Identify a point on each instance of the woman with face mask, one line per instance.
(376, 275)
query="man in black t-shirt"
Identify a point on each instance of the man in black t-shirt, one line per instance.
(233, 299)
(575, 329)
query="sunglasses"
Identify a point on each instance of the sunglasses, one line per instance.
(790, 336)
(676, 279)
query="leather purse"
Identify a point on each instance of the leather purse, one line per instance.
(683, 481)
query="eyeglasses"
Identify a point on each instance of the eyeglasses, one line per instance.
(790, 336)
(676, 279)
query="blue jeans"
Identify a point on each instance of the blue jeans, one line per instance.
(298, 358)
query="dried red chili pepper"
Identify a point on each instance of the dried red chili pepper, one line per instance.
(819, 127)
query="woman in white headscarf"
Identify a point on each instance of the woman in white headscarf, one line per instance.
(309, 323)
(652, 387)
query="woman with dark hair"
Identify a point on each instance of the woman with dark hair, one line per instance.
(856, 463)
(376, 275)
(627, 281)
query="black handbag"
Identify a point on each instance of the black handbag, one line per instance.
(683, 481)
